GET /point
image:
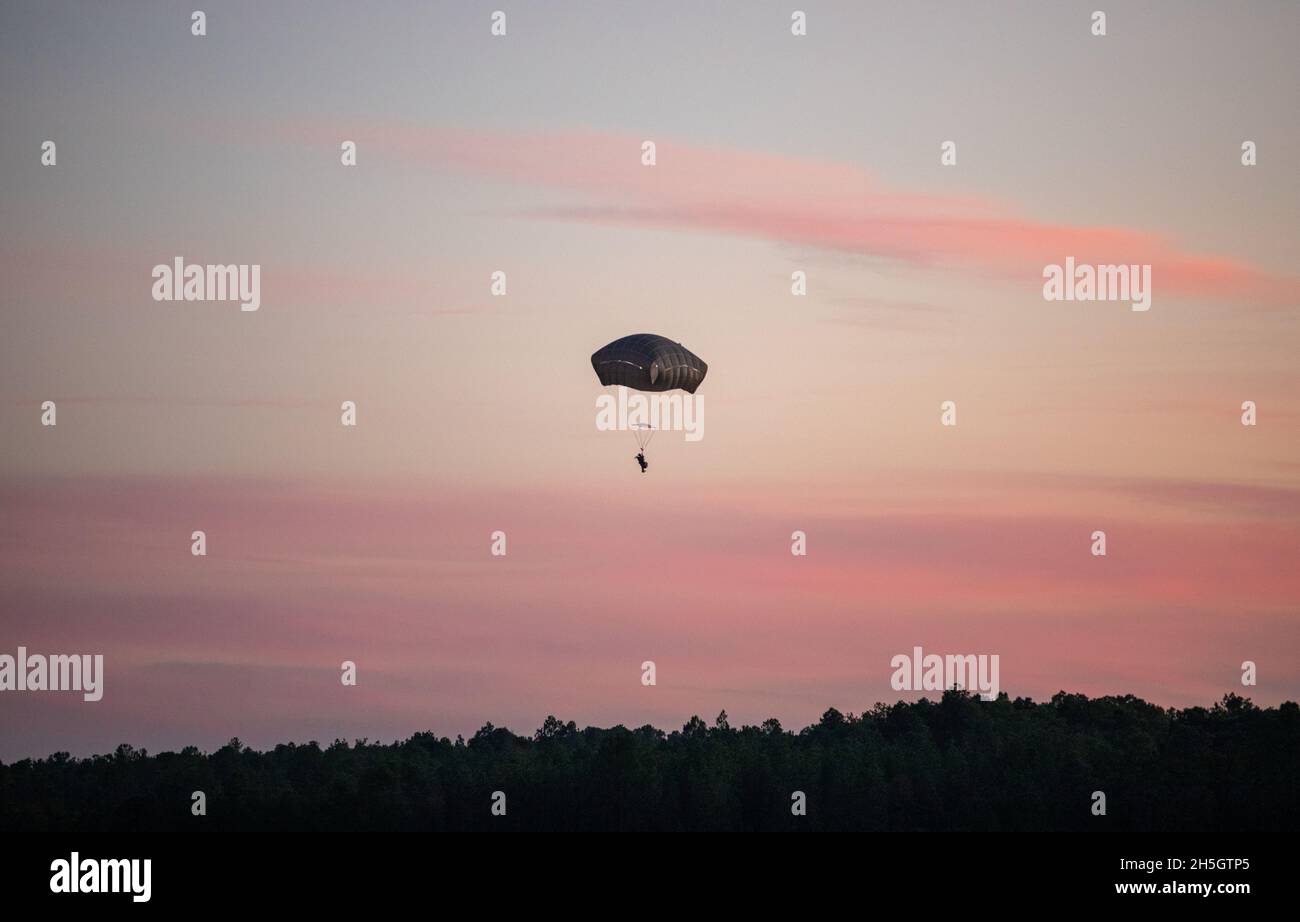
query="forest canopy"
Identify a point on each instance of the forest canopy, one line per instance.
(958, 763)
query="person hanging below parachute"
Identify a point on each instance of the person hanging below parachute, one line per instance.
(648, 362)
(644, 432)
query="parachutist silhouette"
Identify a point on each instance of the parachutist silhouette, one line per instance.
(646, 362)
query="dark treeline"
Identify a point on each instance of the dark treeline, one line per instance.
(955, 764)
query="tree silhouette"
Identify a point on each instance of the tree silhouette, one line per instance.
(956, 763)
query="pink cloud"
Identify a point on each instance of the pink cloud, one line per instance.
(300, 577)
(836, 206)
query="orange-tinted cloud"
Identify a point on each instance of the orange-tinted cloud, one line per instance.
(247, 641)
(836, 206)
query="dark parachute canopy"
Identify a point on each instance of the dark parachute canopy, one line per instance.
(649, 362)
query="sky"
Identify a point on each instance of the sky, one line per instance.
(522, 153)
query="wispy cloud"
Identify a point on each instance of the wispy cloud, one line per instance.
(835, 206)
(248, 641)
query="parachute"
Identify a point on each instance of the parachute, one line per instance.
(649, 362)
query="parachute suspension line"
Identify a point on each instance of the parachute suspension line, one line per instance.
(643, 432)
